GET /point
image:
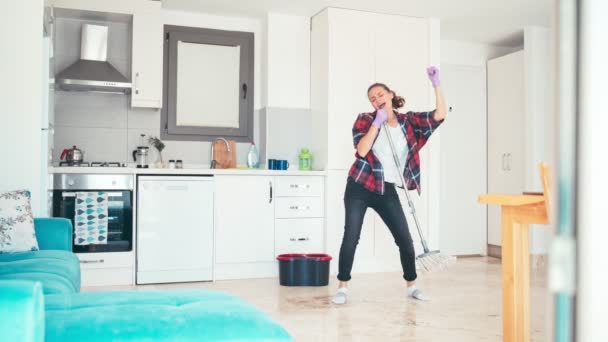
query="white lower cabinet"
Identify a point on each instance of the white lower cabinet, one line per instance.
(106, 269)
(299, 236)
(244, 219)
(259, 217)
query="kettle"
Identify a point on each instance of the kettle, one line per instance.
(72, 155)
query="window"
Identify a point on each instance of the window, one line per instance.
(207, 85)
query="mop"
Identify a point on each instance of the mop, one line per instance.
(429, 260)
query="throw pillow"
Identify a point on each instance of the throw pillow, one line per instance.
(17, 232)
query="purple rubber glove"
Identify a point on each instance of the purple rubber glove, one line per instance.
(433, 74)
(381, 117)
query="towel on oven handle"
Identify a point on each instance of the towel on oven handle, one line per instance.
(91, 218)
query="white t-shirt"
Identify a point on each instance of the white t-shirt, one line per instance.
(382, 151)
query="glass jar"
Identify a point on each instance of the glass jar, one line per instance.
(305, 160)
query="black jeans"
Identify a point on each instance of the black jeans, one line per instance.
(356, 201)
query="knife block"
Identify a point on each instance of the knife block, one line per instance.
(224, 159)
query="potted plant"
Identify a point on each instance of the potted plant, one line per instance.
(159, 146)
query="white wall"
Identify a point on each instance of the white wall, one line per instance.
(592, 298)
(21, 97)
(473, 54)
(288, 61)
(539, 136)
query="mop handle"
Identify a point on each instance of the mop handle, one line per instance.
(407, 195)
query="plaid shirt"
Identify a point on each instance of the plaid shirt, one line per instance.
(416, 127)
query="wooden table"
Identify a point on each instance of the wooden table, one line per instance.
(518, 211)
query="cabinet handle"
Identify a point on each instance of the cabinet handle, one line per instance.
(299, 239)
(297, 186)
(508, 161)
(100, 261)
(244, 91)
(136, 83)
(297, 207)
(270, 185)
(504, 157)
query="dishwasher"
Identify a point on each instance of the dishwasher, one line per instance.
(174, 229)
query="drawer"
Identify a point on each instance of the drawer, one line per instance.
(289, 186)
(106, 276)
(299, 236)
(105, 260)
(298, 207)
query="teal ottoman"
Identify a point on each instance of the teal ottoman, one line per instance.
(178, 315)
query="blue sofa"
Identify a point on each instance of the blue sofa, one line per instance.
(54, 265)
(33, 310)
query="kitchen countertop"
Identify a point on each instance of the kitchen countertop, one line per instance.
(192, 170)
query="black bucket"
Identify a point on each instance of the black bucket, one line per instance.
(304, 269)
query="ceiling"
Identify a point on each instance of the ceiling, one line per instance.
(497, 22)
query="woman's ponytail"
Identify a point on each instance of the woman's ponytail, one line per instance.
(398, 101)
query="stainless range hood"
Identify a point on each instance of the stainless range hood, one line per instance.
(92, 72)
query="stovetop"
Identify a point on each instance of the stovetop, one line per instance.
(92, 164)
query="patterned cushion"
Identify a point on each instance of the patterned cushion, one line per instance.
(16, 223)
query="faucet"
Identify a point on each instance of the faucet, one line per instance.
(213, 161)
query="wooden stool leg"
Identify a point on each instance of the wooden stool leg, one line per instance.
(516, 278)
(508, 275)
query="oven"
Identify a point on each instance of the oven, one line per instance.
(110, 217)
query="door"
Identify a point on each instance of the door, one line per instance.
(244, 219)
(463, 221)
(174, 229)
(506, 96)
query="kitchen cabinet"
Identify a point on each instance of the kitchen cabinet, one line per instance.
(147, 60)
(506, 134)
(174, 229)
(244, 219)
(106, 269)
(299, 213)
(259, 217)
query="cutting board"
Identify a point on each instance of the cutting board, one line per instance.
(225, 159)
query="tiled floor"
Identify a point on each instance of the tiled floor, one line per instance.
(466, 305)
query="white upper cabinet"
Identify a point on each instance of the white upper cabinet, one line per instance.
(147, 60)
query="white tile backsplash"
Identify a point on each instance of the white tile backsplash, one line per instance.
(83, 109)
(113, 133)
(98, 144)
(144, 118)
(286, 131)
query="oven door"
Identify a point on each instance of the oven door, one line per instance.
(120, 220)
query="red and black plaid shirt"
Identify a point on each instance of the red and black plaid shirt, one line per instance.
(417, 127)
